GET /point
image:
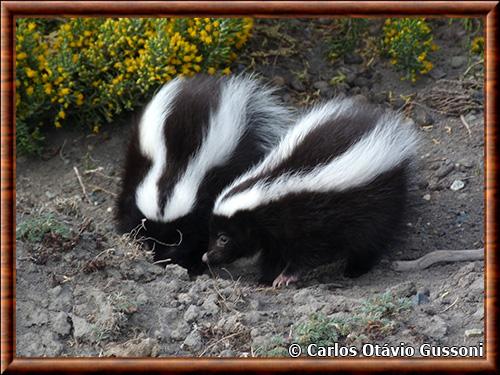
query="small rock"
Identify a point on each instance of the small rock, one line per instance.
(278, 81)
(62, 299)
(474, 332)
(210, 305)
(422, 297)
(444, 170)
(177, 272)
(297, 85)
(352, 58)
(427, 197)
(479, 314)
(435, 328)
(226, 353)
(422, 116)
(184, 298)
(458, 61)
(134, 348)
(191, 313)
(437, 73)
(466, 163)
(321, 85)
(181, 331)
(361, 82)
(193, 341)
(457, 185)
(406, 289)
(60, 324)
(360, 98)
(81, 328)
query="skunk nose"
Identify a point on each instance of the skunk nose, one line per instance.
(204, 258)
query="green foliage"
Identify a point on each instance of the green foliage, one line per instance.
(347, 37)
(376, 315)
(89, 70)
(34, 229)
(408, 42)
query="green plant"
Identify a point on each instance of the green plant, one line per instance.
(408, 43)
(347, 36)
(477, 46)
(89, 70)
(34, 228)
(376, 315)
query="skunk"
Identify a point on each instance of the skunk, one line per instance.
(335, 186)
(193, 138)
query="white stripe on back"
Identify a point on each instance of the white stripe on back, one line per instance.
(152, 145)
(385, 147)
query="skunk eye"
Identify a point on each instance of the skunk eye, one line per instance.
(222, 240)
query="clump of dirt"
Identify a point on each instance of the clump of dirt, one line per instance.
(82, 290)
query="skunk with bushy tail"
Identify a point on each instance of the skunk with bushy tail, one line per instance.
(335, 186)
(193, 138)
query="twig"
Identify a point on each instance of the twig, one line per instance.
(98, 188)
(220, 340)
(471, 66)
(61, 152)
(81, 184)
(449, 307)
(438, 256)
(462, 118)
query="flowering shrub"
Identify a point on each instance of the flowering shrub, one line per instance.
(88, 70)
(408, 42)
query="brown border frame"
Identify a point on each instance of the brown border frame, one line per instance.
(12, 9)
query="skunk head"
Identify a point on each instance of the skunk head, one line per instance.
(231, 239)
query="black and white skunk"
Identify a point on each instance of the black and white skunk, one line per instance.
(335, 185)
(193, 138)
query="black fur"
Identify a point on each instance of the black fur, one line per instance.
(304, 230)
(197, 99)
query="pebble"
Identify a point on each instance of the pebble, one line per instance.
(60, 324)
(474, 332)
(422, 116)
(479, 314)
(352, 58)
(278, 81)
(427, 197)
(444, 170)
(457, 185)
(406, 289)
(458, 61)
(437, 73)
(435, 328)
(81, 328)
(297, 85)
(177, 272)
(210, 305)
(134, 348)
(191, 313)
(193, 341)
(422, 297)
(361, 82)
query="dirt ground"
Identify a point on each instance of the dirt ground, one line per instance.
(84, 291)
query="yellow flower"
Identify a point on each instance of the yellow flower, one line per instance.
(64, 91)
(62, 114)
(30, 72)
(31, 26)
(22, 56)
(47, 88)
(226, 71)
(29, 90)
(57, 124)
(211, 70)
